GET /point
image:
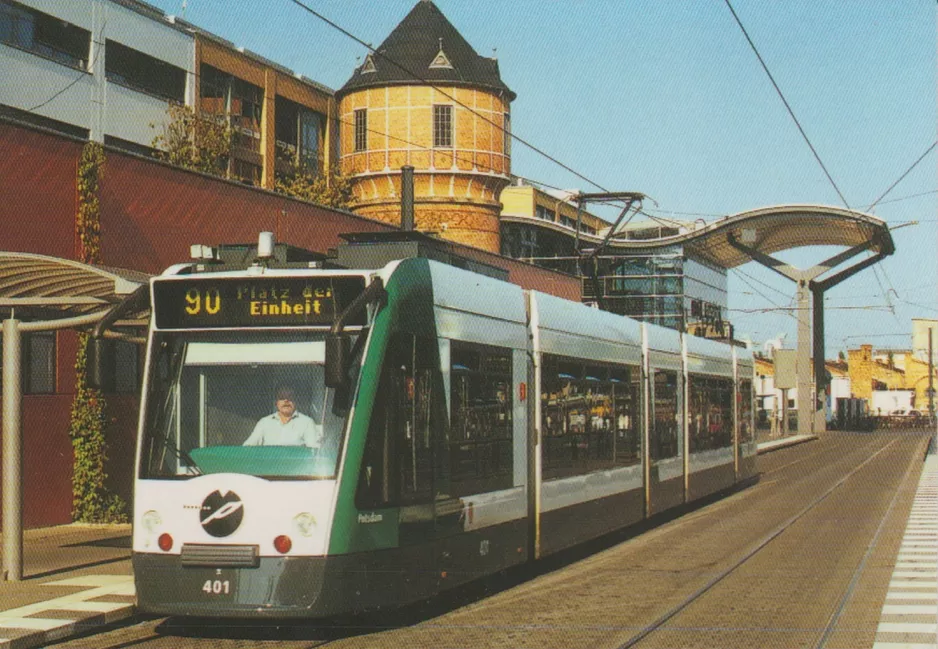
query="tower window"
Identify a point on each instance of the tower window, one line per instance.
(361, 129)
(443, 125)
(506, 130)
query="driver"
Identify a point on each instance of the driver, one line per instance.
(287, 426)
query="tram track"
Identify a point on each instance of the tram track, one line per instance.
(822, 634)
(609, 598)
(854, 580)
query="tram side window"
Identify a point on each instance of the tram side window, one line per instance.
(710, 401)
(590, 417)
(480, 424)
(397, 466)
(665, 440)
(745, 411)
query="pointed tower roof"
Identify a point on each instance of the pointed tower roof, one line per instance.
(423, 43)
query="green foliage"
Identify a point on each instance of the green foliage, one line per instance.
(331, 190)
(88, 216)
(91, 501)
(195, 140)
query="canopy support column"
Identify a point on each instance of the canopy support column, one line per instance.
(810, 294)
(12, 481)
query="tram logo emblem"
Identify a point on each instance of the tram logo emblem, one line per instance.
(221, 515)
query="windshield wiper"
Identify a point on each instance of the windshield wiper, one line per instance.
(165, 442)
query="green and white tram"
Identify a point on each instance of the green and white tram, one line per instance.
(462, 426)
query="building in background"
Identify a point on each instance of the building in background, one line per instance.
(108, 70)
(923, 330)
(540, 225)
(429, 101)
(664, 285)
(869, 382)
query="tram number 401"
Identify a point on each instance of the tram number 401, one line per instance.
(216, 587)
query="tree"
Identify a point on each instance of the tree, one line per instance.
(332, 189)
(195, 140)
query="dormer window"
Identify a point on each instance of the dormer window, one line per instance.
(441, 60)
(369, 67)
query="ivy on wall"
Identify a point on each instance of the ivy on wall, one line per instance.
(92, 502)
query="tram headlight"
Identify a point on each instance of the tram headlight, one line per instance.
(304, 524)
(151, 521)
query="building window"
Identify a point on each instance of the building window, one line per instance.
(298, 133)
(239, 101)
(443, 126)
(44, 122)
(129, 67)
(43, 34)
(39, 362)
(213, 90)
(544, 213)
(247, 172)
(507, 134)
(361, 129)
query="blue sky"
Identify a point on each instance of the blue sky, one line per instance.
(666, 97)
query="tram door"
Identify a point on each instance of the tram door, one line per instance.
(666, 482)
(399, 468)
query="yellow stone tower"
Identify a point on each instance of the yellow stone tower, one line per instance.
(427, 100)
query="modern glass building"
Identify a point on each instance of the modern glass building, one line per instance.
(662, 284)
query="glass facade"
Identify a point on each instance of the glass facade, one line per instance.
(666, 287)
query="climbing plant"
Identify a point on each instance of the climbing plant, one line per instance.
(92, 502)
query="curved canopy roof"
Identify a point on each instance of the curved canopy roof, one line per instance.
(44, 286)
(767, 230)
(783, 227)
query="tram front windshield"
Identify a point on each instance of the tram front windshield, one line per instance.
(221, 403)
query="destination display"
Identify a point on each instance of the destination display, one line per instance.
(205, 302)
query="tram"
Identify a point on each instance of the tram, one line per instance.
(462, 425)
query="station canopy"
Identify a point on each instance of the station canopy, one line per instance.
(40, 287)
(770, 230)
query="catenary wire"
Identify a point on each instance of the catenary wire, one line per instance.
(791, 112)
(81, 74)
(787, 105)
(902, 177)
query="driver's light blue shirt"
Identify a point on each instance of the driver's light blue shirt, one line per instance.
(299, 430)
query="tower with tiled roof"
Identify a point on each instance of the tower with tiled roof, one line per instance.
(428, 100)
